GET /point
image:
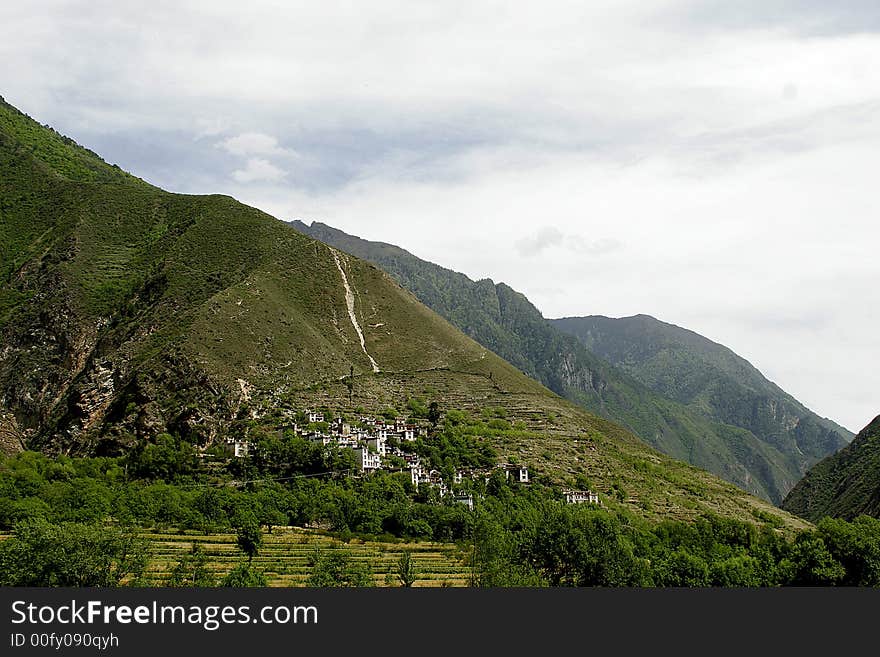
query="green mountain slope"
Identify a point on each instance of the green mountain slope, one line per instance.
(117, 294)
(711, 380)
(507, 323)
(844, 485)
(128, 311)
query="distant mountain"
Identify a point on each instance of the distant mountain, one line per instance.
(504, 321)
(127, 311)
(711, 380)
(844, 485)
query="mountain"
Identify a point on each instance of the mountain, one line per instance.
(712, 381)
(127, 311)
(504, 321)
(844, 485)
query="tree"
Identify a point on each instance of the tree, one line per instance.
(583, 547)
(856, 546)
(192, 570)
(244, 575)
(434, 413)
(681, 568)
(71, 554)
(812, 564)
(337, 568)
(169, 459)
(248, 535)
(406, 569)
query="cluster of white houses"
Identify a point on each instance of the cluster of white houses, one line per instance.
(373, 440)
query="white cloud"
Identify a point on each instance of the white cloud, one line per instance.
(544, 238)
(251, 143)
(550, 236)
(258, 170)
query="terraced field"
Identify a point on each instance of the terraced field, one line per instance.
(284, 557)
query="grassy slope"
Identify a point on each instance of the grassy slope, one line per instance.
(844, 485)
(147, 311)
(506, 322)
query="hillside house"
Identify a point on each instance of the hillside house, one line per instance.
(580, 497)
(377, 444)
(466, 499)
(321, 438)
(519, 474)
(240, 448)
(341, 428)
(283, 428)
(407, 433)
(418, 475)
(367, 460)
(315, 417)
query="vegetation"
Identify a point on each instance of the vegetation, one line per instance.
(140, 331)
(716, 384)
(406, 569)
(85, 521)
(717, 433)
(70, 554)
(844, 485)
(337, 568)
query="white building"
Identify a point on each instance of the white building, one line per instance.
(341, 428)
(240, 448)
(367, 460)
(580, 497)
(321, 438)
(520, 474)
(419, 475)
(315, 417)
(467, 500)
(407, 433)
(378, 444)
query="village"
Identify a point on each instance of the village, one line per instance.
(378, 443)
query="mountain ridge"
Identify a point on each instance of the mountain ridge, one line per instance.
(710, 378)
(843, 485)
(505, 321)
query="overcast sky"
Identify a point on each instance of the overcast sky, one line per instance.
(714, 164)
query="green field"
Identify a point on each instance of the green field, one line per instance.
(284, 556)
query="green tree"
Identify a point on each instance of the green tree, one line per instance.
(682, 568)
(406, 569)
(168, 459)
(71, 554)
(856, 546)
(811, 563)
(434, 413)
(248, 535)
(337, 568)
(192, 570)
(582, 547)
(244, 575)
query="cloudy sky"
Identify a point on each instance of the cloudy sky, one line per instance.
(711, 163)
